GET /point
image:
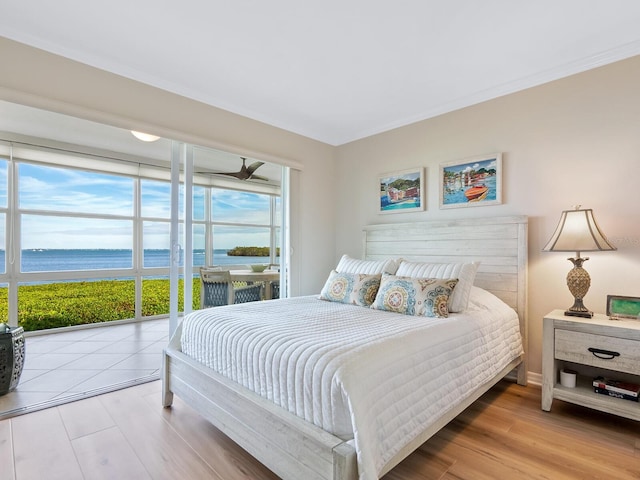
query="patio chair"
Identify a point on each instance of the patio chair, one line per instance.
(275, 289)
(216, 288)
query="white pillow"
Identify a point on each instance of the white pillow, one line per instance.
(464, 272)
(367, 267)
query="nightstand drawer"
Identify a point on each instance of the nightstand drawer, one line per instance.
(598, 350)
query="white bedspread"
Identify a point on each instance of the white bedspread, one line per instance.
(377, 377)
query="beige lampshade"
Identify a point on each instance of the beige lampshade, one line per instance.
(577, 231)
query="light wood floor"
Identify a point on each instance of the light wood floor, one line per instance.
(128, 435)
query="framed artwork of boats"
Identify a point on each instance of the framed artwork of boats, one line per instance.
(401, 191)
(471, 182)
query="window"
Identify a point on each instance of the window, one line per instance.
(56, 189)
(230, 206)
(91, 245)
(4, 287)
(3, 242)
(3, 213)
(242, 225)
(53, 242)
(3, 183)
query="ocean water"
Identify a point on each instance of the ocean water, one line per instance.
(409, 203)
(455, 195)
(47, 260)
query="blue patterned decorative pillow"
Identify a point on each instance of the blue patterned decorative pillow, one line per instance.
(354, 288)
(415, 296)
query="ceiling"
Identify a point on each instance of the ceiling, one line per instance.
(333, 70)
(44, 128)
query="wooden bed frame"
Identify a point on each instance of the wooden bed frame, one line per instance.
(295, 449)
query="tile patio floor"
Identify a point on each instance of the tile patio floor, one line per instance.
(67, 366)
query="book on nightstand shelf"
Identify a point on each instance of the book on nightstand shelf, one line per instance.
(608, 386)
(610, 393)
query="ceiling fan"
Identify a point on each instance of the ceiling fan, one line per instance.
(245, 173)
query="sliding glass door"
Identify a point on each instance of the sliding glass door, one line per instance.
(79, 230)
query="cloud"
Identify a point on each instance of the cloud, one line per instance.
(65, 190)
(47, 191)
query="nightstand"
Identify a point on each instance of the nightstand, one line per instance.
(615, 353)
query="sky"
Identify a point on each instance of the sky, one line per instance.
(409, 175)
(45, 190)
(472, 165)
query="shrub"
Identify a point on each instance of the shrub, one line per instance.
(250, 252)
(65, 304)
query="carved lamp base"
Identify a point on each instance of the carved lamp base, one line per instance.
(578, 281)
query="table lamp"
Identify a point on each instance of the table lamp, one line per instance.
(577, 231)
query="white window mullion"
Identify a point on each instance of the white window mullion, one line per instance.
(285, 241)
(188, 230)
(138, 252)
(208, 232)
(177, 150)
(12, 254)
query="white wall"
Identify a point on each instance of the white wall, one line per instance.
(573, 141)
(35, 78)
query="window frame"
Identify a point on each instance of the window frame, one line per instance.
(13, 276)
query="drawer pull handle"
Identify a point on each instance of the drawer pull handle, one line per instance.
(603, 354)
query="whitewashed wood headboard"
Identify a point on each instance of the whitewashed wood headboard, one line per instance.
(498, 243)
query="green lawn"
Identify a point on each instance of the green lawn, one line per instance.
(76, 303)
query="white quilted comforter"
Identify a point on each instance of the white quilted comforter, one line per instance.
(376, 377)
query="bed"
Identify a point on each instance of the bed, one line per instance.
(300, 438)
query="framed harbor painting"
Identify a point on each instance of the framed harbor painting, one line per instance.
(401, 191)
(471, 182)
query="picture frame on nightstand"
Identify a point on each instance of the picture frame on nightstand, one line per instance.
(619, 306)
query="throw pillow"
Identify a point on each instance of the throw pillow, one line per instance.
(354, 288)
(427, 297)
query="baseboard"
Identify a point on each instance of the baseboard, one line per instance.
(534, 378)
